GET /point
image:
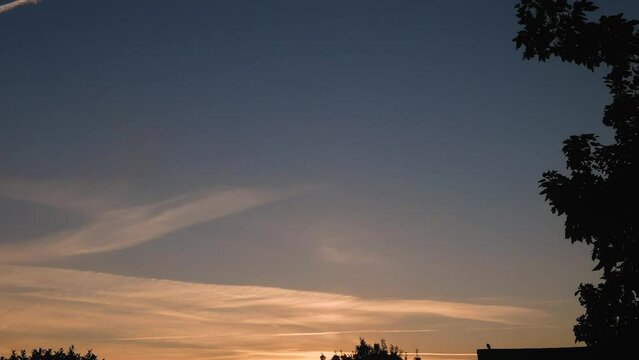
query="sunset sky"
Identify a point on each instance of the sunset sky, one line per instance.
(275, 179)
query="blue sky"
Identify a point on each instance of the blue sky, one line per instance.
(374, 149)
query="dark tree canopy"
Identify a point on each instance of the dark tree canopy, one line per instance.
(377, 351)
(41, 354)
(599, 196)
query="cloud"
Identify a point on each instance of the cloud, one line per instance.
(120, 316)
(362, 331)
(111, 229)
(17, 3)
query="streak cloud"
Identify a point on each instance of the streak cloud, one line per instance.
(117, 228)
(17, 3)
(144, 315)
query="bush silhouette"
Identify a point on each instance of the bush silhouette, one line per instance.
(48, 354)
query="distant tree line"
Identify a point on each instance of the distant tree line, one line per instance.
(48, 354)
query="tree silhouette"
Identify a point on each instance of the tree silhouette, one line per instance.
(599, 197)
(48, 354)
(377, 351)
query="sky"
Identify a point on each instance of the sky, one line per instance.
(276, 179)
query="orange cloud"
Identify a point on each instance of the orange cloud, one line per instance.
(125, 315)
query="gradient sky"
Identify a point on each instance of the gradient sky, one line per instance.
(275, 179)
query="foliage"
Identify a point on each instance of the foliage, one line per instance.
(599, 196)
(377, 351)
(41, 354)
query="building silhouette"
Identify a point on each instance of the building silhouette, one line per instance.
(564, 353)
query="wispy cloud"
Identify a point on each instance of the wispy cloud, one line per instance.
(362, 331)
(112, 227)
(14, 4)
(123, 314)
